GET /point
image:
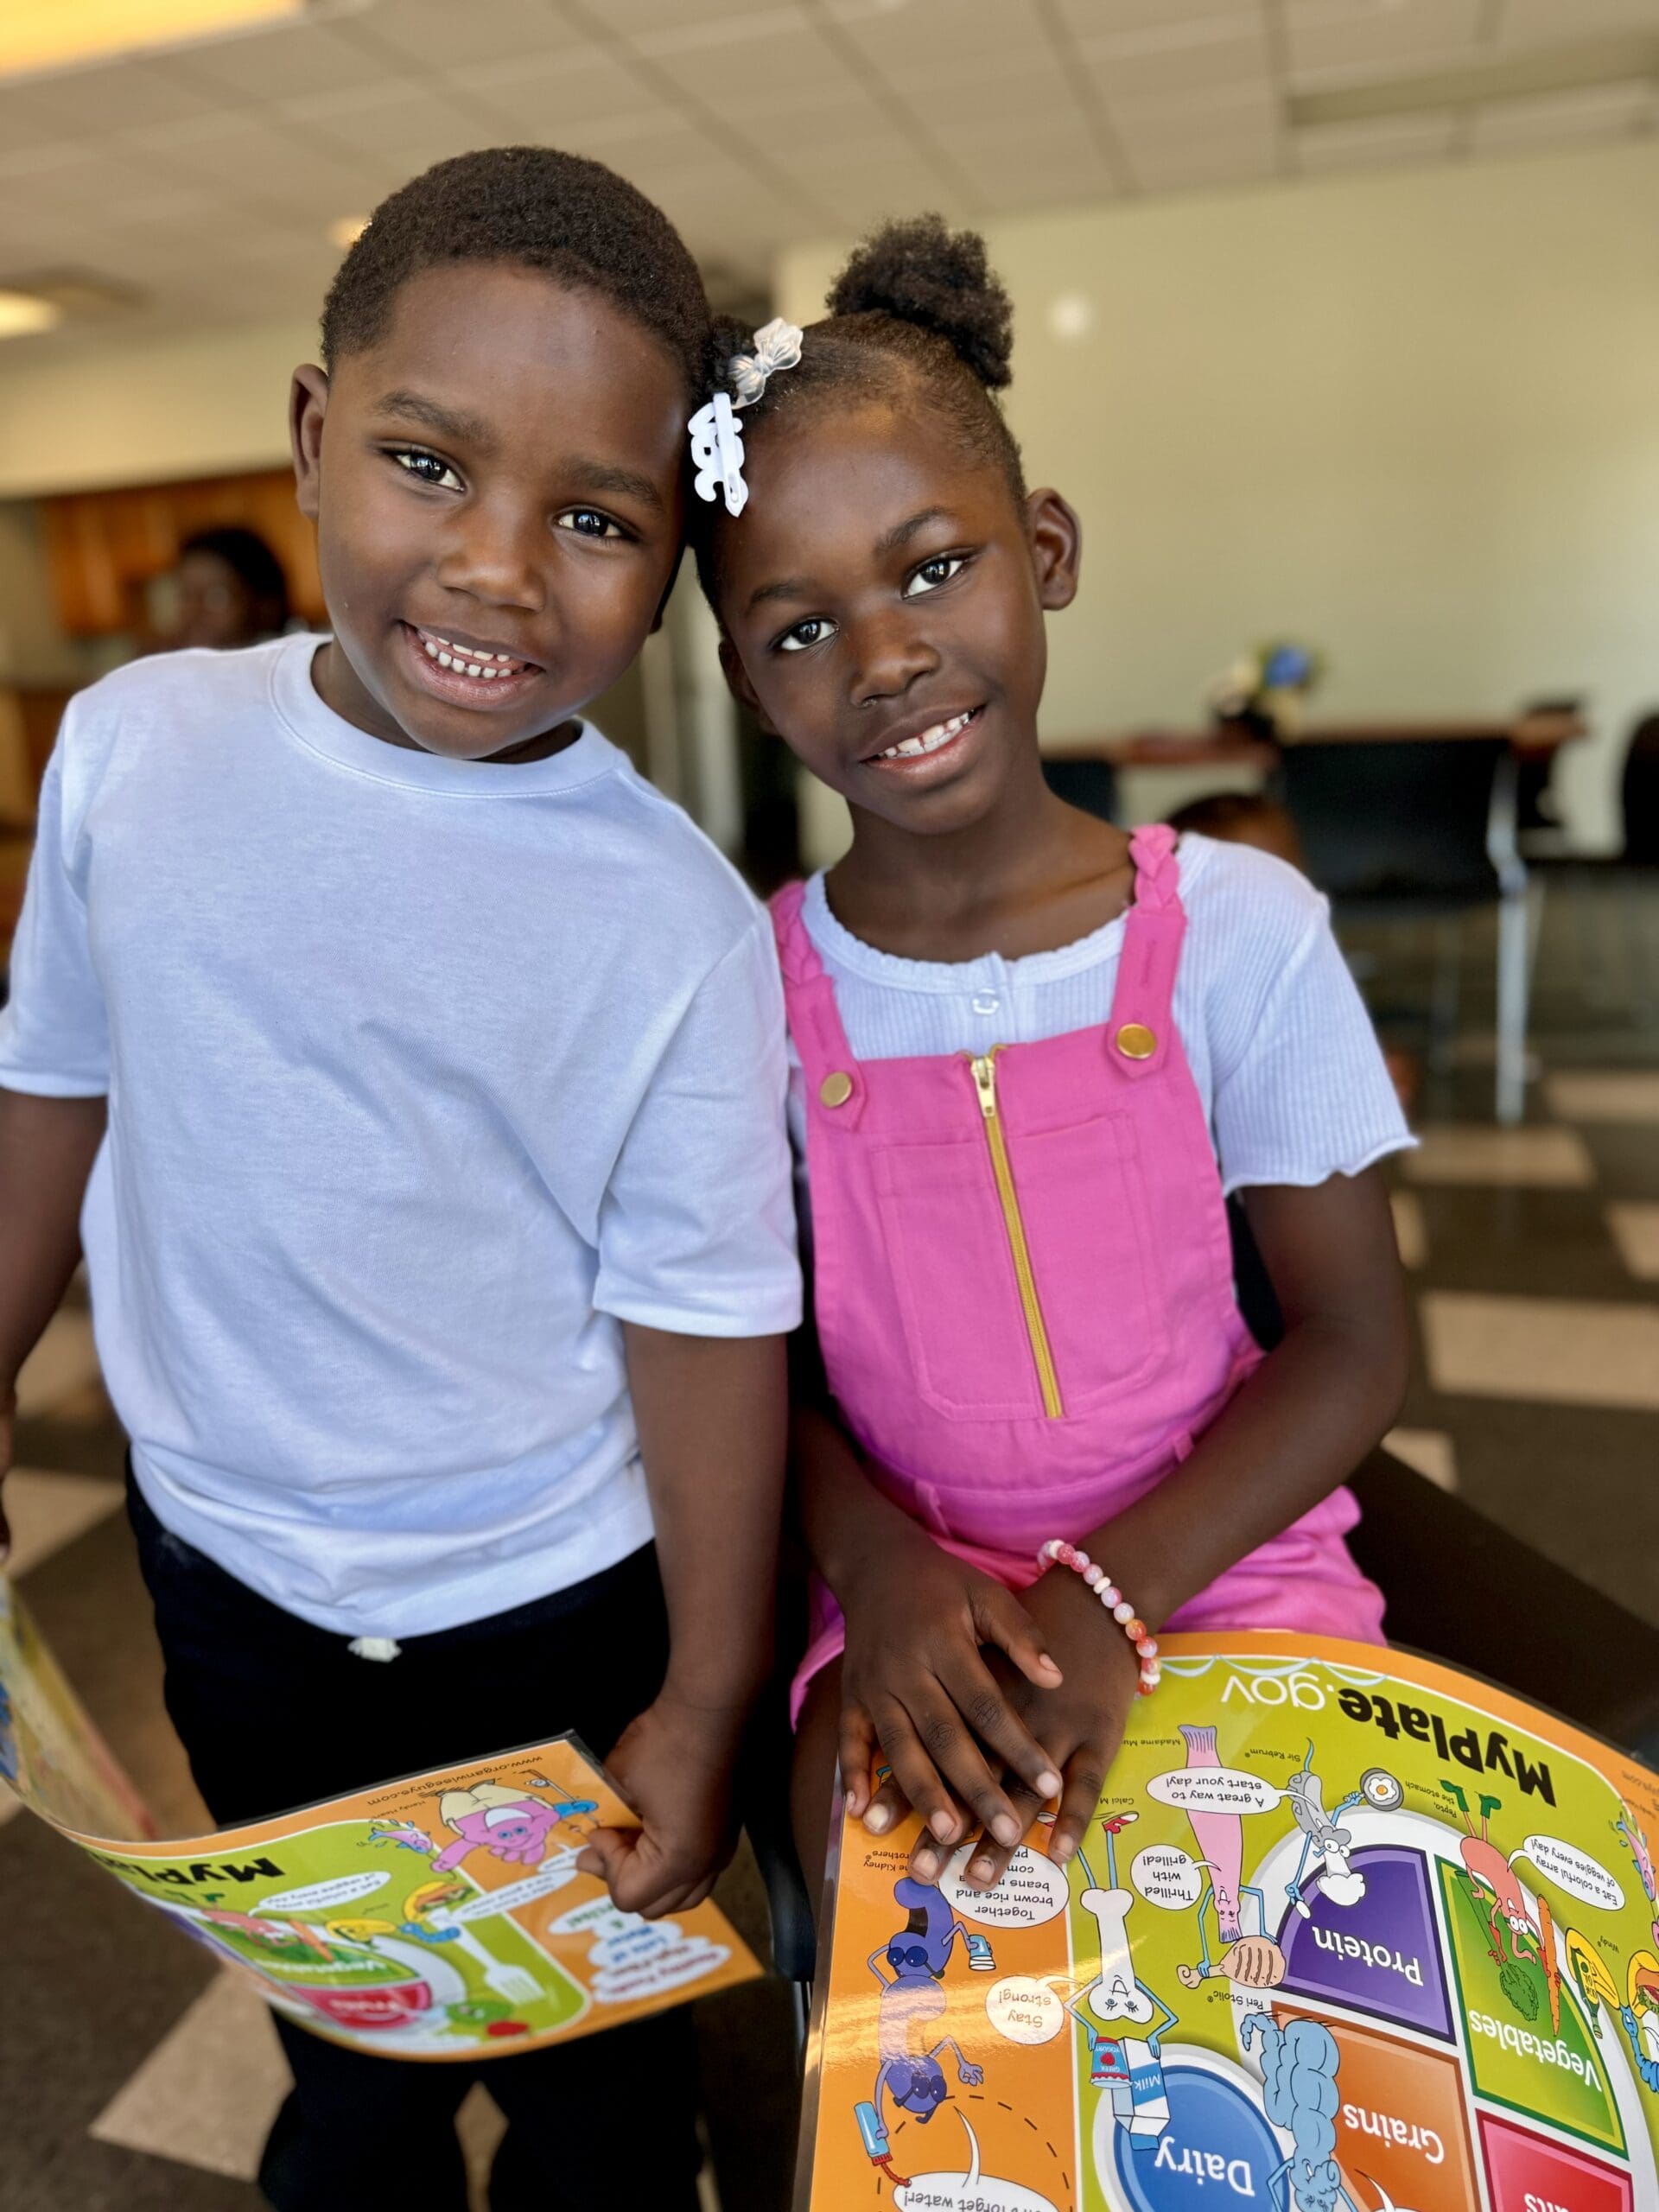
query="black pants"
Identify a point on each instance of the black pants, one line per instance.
(275, 1713)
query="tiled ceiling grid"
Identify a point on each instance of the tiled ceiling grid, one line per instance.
(208, 178)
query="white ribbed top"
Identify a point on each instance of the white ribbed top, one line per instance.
(1279, 1045)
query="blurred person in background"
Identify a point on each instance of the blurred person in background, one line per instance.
(229, 591)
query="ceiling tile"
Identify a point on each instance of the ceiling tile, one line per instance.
(1176, 165)
(125, 96)
(932, 35)
(1038, 64)
(1087, 18)
(1331, 40)
(57, 241)
(1612, 111)
(1134, 65)
(1071, 174)
(1376, 143)
(826, 125)
(738, 60)
(417, 125)
(661, 135)
(424, 37)
(1031, 102)
(252, 154)
(1560, 22)
(540, 90)
(79, 180)
(273, 65)
(629, 18)
(1247, 109)
(22, 123)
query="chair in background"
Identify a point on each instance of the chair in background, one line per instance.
(1639, 791)
(1422, 829)
(1539, 832)
(1090, 785)
(1608, 936)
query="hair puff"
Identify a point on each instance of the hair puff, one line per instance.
(920, 272)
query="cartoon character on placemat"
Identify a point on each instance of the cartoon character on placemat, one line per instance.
(510, 1824)
(1335, 1877)
(1252, 1961)
(1125, 2053)
(1531, 1936)
(915, 1958)
(1299, 2094)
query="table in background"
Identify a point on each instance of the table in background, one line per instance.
(1223, 744)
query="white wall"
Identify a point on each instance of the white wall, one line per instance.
(147, 411)
(1410, 418)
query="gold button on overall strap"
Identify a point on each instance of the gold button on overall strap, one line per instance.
(1135, 1041)
(835, 1090)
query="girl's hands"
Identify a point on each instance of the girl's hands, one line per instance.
(918, 1691)
(1073, 1717)
(1080, 1724)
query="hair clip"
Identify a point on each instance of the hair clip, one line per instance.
(716, 434)
(717, 451)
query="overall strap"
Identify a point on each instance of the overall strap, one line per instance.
(835, 1082)
(1141, 1027)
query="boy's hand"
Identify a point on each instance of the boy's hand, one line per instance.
(674, 1764)
(918, 1691)
(8, 1417)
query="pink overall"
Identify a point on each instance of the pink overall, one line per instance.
(1024, 1282)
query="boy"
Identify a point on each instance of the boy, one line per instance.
(427, 1069)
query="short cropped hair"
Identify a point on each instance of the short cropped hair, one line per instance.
(574, 218)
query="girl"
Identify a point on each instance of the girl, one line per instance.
(1031, 1057)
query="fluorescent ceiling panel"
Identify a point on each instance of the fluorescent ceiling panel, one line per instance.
(38, 35)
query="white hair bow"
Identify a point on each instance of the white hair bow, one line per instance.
(716, 434)
(776, 345)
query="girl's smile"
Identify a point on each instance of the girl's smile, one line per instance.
(933, 740)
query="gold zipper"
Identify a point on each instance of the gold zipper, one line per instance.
(984, 1074)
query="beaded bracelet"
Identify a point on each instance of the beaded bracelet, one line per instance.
(1058, 1552)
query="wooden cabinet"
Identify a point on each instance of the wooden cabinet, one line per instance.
(106, 547)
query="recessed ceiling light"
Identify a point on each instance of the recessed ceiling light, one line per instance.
(345, 231)
(42, 35)
(21, 313)
(1071, 316)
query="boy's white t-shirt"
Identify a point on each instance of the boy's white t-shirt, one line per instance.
(423, 1077)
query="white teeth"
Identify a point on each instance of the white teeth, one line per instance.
(930, 740)
(490, 674)
(474, 660)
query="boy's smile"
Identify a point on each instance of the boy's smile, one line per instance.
(883, 594)
(496, 484)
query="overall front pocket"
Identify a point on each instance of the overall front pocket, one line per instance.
(1022, 1269)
